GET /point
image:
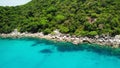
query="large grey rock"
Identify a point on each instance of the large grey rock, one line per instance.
(117, 37)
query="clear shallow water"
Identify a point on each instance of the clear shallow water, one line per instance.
(31, 53)
(13, 2)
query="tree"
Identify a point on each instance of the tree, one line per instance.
(92, 33)
(59, 18)
(63, 29)
(47, 31)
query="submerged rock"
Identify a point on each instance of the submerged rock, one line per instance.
(46, 51)
(35, 44)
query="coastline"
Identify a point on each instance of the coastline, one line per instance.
(57, 36)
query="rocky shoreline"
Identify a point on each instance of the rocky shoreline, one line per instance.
(57, 36)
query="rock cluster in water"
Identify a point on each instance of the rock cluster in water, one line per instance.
(57, 36)
(46, 51)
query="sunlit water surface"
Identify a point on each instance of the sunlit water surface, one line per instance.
(30, 53)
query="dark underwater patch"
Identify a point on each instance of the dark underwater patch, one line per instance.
(46, 51)
(35, 44)
(99, 49)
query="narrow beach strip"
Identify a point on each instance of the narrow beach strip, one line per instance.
(57, 36)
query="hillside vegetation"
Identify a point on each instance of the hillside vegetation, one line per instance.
(76, 17)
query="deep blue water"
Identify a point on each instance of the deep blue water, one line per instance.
(13, 2)
(33, 53)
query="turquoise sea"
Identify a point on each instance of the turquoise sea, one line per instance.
(40, 53)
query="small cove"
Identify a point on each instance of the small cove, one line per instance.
(35, 53)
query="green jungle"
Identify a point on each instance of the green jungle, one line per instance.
(74, 17)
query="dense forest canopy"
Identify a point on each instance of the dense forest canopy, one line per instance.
(77, 17)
